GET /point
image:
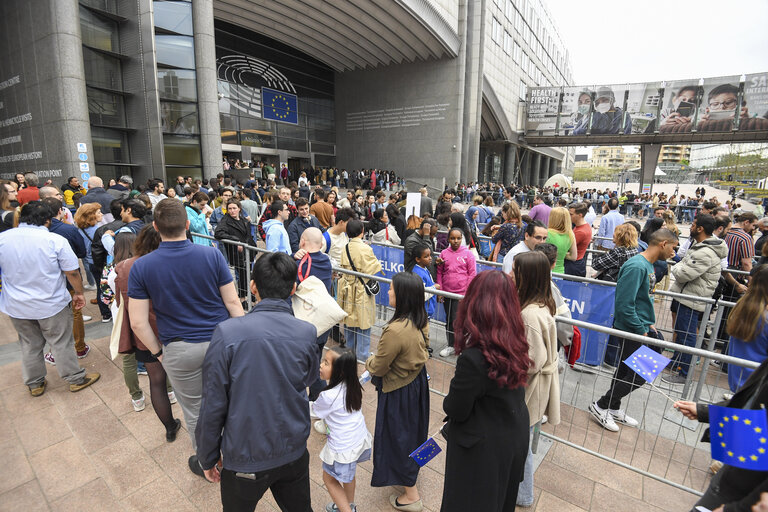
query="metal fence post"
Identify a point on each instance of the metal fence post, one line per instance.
(710, 347)
(699, 340)
(248, 277)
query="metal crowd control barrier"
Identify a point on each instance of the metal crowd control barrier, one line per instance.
(665, 447)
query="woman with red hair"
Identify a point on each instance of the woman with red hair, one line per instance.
(487, 429)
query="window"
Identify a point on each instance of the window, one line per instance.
(176, 51)
(105, 108)
(180, 150)
(507, 43)
(516, 53)
(523, 90)
(109, 146)
(525, 62)
(98, 32)
(177, 84)
(509, 10)
(496, 31)
(102, 70)
(519, 23)
(174, 17)
(179, 118)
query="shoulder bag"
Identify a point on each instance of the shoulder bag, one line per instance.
(371, 286)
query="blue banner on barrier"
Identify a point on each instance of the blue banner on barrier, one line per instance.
(593, 303)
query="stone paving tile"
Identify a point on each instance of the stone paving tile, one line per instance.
(14, 457)
(125, 466)
(97, 428)
(94, 496)
(607, 499)
(159, 494)
(62, 468)
(665, 496)
(603, 472)
(27, 497)
(41, 429)
(551, 503)
(566, 485)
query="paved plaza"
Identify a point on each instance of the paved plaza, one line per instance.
(89, 451)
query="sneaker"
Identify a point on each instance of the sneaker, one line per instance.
(621, 416)
(87, 318)
(321, 427)
(106, 319)
(139, 405)
(49, 359)
(603, 417)
(141, 369)
(331, 507)
(170, 435)
(94, 301)
(38, 390)
(89, 287)
(673, 378)
(544, 419)
(194, 466)
(82, 353)
(447, 351)
(715, 466)
(89, 379)
(172, 397)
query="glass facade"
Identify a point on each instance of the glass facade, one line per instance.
(104, 88)
(248, 62)
(177, 85)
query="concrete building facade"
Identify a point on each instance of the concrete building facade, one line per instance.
(432, 89)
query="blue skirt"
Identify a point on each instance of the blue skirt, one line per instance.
(402, 422)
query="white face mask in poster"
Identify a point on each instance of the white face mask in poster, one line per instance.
(603, 107)
(583, 110)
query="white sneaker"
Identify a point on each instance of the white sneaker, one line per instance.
(172, 397)
(321, 427)
(89, 287)
(603, 417)
(447, 351)
(727, 396)
(87, 318)
(621, 416)
(138, 405)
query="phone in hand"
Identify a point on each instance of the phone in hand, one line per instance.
(685, 108)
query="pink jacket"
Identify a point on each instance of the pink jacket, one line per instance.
(458, 270)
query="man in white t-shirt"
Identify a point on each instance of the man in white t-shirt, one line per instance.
(535, 234)
(335, 239)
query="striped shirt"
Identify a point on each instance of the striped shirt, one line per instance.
(740, 246)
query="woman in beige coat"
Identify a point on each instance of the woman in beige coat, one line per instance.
(542, 393)
(352, 297)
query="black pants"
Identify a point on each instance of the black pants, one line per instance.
(625, 380)
(289, 485)
(451, 308)
(577, 267)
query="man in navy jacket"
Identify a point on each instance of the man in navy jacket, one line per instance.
(254, 413)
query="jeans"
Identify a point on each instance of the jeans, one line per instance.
(57, 332)
(289, 484)
(359, 340)
(625, 380)
(686, 327)
(183, 362)
(451, 308)
(525, 490)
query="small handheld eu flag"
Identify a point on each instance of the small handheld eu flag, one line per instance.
(426, 452)
(739, 437)
(647, 363)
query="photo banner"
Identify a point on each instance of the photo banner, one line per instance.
(575, 109)
(755, 101)
(643, 103)
(681, 102)
(542, 110)
(719, 104)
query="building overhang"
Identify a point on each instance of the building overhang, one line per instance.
(348, 34)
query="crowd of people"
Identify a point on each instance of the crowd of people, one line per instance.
(198, 347)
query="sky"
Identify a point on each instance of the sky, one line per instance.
(656, 40)
(653, 40)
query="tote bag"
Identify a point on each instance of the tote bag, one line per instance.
(312, 303)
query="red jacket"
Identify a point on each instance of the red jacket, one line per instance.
(28, 194)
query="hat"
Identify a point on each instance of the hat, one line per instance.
(604, 92)
(126, 179)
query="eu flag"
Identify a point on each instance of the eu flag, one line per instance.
(647, 363)
(426, 452)
(279, 106)
(739, 437)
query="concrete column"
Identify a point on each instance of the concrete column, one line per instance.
(649, 157)
(207, 93)
(508, 175)
(536, 169)
(473, 42)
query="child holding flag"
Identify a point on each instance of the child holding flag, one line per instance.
(349, 441)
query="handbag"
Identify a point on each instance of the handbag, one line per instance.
(312, 303)
(117, 327)
(371, 286)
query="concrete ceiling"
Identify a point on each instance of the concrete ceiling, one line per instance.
(348, 34)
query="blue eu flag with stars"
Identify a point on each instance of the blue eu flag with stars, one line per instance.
(279, 106)
(647, 363)
(426, 452)
(739, 437)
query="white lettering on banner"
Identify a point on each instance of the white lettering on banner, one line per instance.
(16, 119)
(34, 155)
(11, 81)
(575, 305)
(48, 173)
(401, 117)
(2, 105)
(390, 266)
(10, 140)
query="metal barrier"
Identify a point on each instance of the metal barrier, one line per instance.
(665, 445)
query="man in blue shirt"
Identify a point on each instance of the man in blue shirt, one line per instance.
(36, 263)
(608, 223)
(276, 235)
(262, 442)
(187, 312)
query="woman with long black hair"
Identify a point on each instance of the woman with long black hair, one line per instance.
(402, 412)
